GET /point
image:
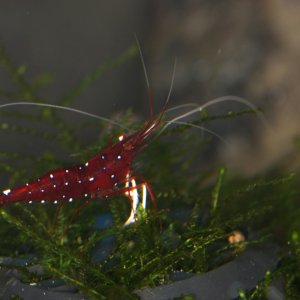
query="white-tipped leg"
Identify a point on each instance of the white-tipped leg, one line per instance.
(133, 195)
(144, 202)
(131, 219)
(134, 198)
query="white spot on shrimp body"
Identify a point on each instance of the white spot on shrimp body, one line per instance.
(79, 181)
(30, 202)
(6, 192)
(51, 176)
(43, 201)
(102, 156)
(71, 200)
(86, 164)
(54, 185)
(85, 195)
(112, 176)
(66, 183)
(119, 157)
(55, 202)
(67, 171)
(91, 178)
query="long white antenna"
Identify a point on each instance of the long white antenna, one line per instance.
(63, 108)
(146, 77)
(182, 106)
(143, 61)
(203, 129)
(172, 81)
(212, 102)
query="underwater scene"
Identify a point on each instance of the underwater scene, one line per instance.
(149, 150)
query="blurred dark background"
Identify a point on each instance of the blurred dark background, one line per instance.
(245, 48)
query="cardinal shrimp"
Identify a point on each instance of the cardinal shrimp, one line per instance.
(108, 173)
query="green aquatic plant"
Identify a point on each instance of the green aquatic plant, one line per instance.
(148, 252)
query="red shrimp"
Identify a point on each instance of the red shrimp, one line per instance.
(109, 172)
(106, 174)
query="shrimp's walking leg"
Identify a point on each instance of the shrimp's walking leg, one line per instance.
(144, 201)
(134, 198)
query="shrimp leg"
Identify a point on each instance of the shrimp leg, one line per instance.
(133, 195)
